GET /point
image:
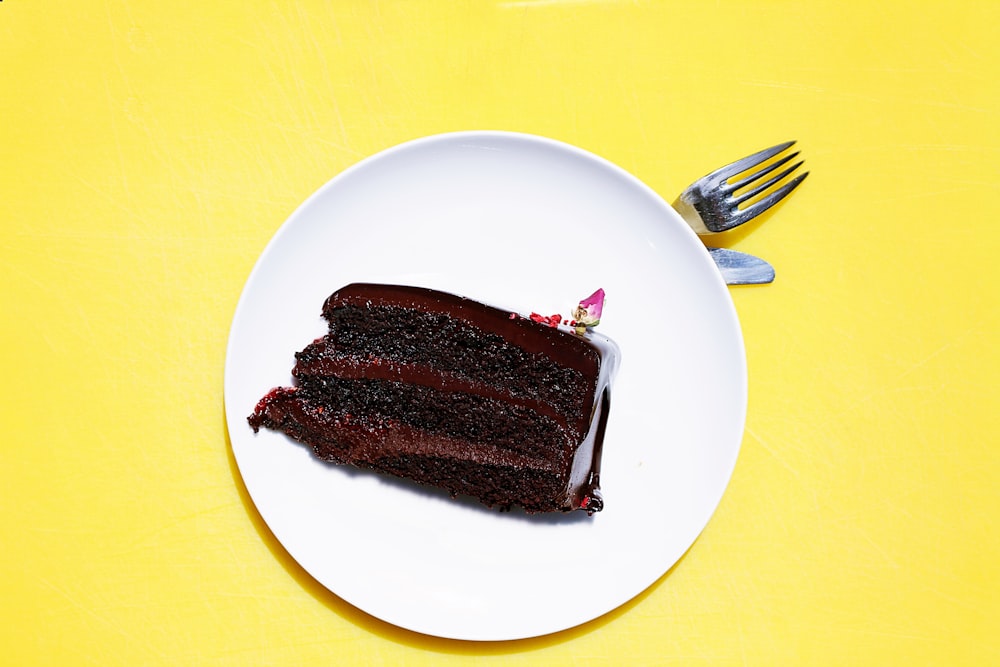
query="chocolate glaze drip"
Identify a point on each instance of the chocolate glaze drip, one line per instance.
(482, 345)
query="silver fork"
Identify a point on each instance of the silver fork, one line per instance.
(712, 204)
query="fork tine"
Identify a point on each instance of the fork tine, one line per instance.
(755, 209)
(750, 194)
(749, 161)
(761, 173)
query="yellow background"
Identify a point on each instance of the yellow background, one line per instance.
(149, 150)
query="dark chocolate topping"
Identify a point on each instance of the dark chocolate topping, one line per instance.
(571, 351)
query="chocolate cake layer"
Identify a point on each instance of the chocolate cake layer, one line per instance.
(322, 359)
(346, 438)
(479, 420)
(453, 345)
(449, 392)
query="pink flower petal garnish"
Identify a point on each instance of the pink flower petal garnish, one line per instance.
(588, 313)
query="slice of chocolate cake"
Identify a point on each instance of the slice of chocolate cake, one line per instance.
(446, 391)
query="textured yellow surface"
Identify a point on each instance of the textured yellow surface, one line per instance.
(149, 150)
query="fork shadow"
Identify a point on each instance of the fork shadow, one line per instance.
(403, 636)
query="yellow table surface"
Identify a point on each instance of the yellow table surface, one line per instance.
(149, 151)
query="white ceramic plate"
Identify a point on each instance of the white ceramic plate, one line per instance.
(529, 224)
